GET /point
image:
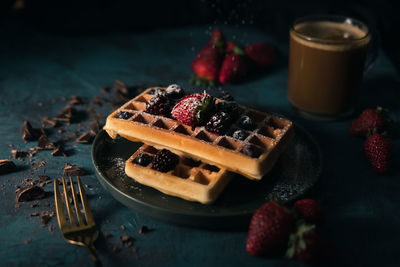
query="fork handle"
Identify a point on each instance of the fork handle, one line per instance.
(93, 254)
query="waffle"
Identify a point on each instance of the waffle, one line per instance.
(190, 180)
(270, 137)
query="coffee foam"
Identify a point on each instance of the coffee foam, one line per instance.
(330, 36)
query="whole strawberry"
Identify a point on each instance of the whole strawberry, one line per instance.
(308, 245)
(269, 229)
(310, 211)
(206, 64)
(378, 150)
(261, 54)
(193, 109)
(234, 67)
(369, 120)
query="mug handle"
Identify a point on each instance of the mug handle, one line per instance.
(372, 53)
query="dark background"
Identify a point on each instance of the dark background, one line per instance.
(273, 17)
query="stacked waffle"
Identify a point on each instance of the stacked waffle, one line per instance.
(206, 138)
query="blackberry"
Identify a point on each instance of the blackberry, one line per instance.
(247, 123)
(251, 151)
(219, 123)
(239, 134)
(229, 107)
(174, 91)
(224, 95)
(164, 161)
(143, 159)
(158, 105)
(124, 115)
(157, 91)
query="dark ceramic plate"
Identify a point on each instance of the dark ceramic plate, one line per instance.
(296, 171)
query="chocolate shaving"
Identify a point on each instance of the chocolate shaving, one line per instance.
(44, 143)
(29, 133)
(28, 241)
(7, 166)
(17, 154)
(46, 216)
(126, 241)
(95, 126)
(72, 170)
(75, 100)
(51, 228)
(59, 151)
(30, 193)
(85, 138)
(123, 228)
(49, 122)
(34, 214)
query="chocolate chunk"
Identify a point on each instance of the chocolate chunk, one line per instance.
(44, 143)
(29, 133)
(7, 166)
(97, 100)
(17, 154)
(107, 234)
(59, 151)
(85, 138)
(43, 177)
(30, 193)
(75, 100)
(121, 91)
(95, 126)
(105, 89)
(72, 170)
(67, 115)
(144, 230)
(47, 122)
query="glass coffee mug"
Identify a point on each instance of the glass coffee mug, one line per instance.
(326, 63)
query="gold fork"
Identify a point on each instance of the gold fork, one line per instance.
(82, 232)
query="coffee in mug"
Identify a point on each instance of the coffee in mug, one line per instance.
(326, 64)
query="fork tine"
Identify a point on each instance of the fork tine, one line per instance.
(69, 210)
(85, 204)
(62, 222)
(76, 204)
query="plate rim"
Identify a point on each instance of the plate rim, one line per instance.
(153, 208)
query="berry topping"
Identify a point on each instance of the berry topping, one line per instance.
(156, 91)
(247, 123)
(143, 159)
(164, 161)
(251, 151)
(229, 107)
(158, 105)
(174, 91)
(124, 115)
(193, 109)
(239, 134)
(219, 123)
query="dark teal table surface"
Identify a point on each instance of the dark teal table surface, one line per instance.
(362, 208)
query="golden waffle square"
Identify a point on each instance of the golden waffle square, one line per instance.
(270, 137)
(190, 180)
